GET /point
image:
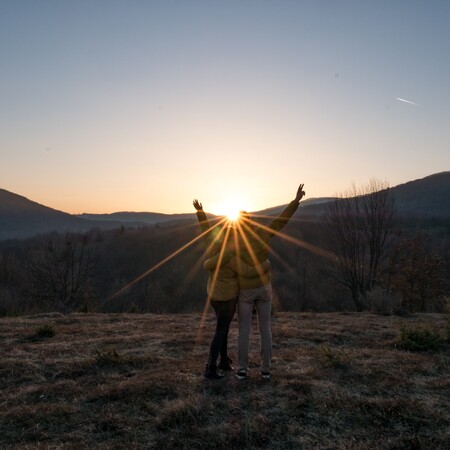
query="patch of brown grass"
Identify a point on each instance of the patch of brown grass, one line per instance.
(339, 381)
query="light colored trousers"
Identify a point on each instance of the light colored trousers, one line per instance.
(261, 298)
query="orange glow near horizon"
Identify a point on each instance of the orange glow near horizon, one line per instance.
(231, 203)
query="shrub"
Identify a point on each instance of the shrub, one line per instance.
(419, 339)
(336, 358)
(108, 357)
(45, 331)
(382, 301)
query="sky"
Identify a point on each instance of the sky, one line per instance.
(145, 105)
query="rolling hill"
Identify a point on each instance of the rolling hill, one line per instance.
(427, 197)
(21, 217)
(137, 217)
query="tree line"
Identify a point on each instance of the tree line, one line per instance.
(360, 255)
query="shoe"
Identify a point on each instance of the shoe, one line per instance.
(265, 375)
(212, 374)
(241, 374)
(226, 365)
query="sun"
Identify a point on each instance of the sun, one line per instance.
(229, 209)
(232, 214)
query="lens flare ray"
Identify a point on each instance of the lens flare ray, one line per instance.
(312, 248)
(245, 229)
(163, 261)
(249, 247)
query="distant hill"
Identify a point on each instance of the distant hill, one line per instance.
(138, 217)
(152, 218)
(315, 203)
(429, 196)
(21, 217)
(425, 197)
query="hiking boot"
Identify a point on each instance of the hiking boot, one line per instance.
(241, 374)
(265, 375)
(226, 365)
(211, 373)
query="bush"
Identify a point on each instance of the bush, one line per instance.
(45, 331)
(419, 339)
(384, 302)
(336, 358)
(108, 357)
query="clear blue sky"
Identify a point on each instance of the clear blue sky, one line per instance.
(144, 105)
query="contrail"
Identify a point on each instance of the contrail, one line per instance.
(406, 101)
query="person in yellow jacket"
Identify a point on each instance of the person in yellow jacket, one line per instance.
(256, 292)
(222, 288)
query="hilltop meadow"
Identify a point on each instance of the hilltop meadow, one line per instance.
(339, 381)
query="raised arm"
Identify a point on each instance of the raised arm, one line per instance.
(300, 193)
(201, 216)
(197, 205)
(283, 218)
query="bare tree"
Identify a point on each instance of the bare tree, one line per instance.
(61, 271)
(359, 226)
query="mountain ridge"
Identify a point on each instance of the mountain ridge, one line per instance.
(21, 217)
(131, 216)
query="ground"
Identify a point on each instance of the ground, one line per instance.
(339, 381)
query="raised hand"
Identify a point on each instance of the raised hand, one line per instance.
(197, 205)
(300, 193)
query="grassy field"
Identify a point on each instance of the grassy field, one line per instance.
(339, 381)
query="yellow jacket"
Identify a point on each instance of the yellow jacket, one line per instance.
(253, 246)
(223, 281)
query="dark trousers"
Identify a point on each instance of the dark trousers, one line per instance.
(224, 314)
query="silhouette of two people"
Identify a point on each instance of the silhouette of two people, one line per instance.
(240, 279)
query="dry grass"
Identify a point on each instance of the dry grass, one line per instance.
(339, 381)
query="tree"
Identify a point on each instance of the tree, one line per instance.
(61, 271)
(360, 226)
(418, 272)
(9, 298)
